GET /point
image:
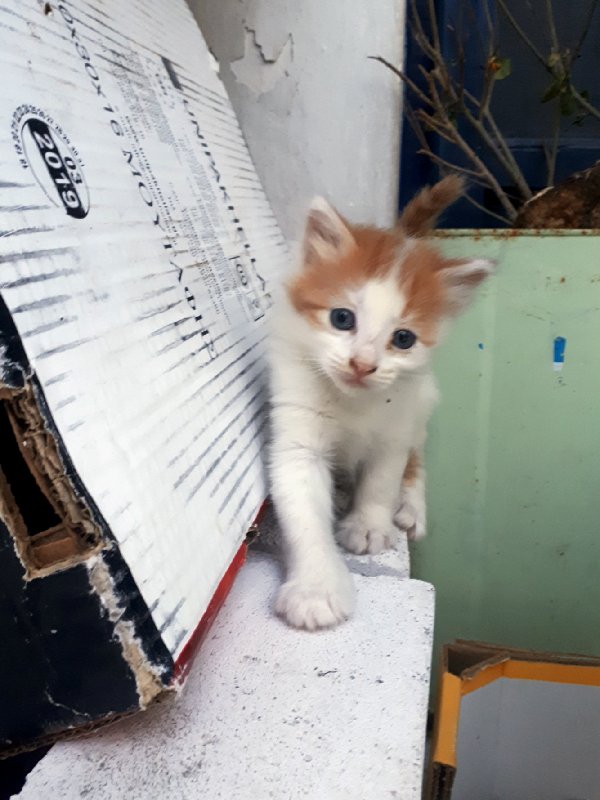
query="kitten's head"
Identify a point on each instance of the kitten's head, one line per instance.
(378, 301)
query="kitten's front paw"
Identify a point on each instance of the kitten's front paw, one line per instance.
(313, 603)
(412, 517)
(360, 535)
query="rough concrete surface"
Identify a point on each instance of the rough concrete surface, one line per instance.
(269, 712)
(394, 562)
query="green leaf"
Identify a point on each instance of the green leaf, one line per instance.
(567, 103)
(504, 68)
(552, 91)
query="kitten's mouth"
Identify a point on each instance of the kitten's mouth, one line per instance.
(353, 381)
(348, 382)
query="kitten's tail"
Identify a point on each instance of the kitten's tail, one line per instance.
(421, 213)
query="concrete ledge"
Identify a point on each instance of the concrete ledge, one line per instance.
(269, 712)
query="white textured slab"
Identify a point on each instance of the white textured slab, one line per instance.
(394, 562)
(273, 713)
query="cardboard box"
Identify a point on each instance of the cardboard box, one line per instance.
(515, 725)
(136, 246)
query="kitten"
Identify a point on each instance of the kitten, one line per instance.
(352, 390)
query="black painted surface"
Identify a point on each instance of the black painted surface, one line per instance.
(13, 361)
(134, 608)
(14, 771)
(60, 664)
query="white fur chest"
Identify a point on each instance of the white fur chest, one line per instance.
(394, 418)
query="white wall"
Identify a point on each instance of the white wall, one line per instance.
(319, 116)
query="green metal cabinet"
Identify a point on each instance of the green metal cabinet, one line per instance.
(513, 455)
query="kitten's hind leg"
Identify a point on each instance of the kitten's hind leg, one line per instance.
(369, 527)
(411, 516)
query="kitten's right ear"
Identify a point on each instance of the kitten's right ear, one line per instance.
(326, 235)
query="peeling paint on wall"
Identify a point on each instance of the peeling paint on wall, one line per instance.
(319, 116)
(256, 69)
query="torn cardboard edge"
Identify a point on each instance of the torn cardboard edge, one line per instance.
(42, 501)
(55, 527)
(51, 524)
(468, 666)
(81, 537)
(151, 689)
(72, 733)
(147, 678)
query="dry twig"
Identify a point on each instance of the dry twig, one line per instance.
(445, 100)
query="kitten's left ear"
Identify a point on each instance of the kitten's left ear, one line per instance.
(326, 235)
(462, 278)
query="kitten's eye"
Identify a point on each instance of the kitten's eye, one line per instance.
(403, 339)
(342, 318)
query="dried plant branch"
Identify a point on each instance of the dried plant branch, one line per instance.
(460, 66)
(451, 134)
(587, 106)
(559, 67)
(496, 143)
(446, 93)
(491, 30)
(552, 153)
(552, 27)
(492, 145)
(488, 88)
(435, 34)
(587, 24)
(464, 119)
(521, 33)
(447, 165)
(493, 214)
(420, 36)
(426, 150)
(509, 162)
(403, 77)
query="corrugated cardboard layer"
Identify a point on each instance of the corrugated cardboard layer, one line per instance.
(136, 253)
(80, 645)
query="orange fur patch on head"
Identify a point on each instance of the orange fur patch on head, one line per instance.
(424, 290)
(338, 256)
(372, 254)
(436, 288)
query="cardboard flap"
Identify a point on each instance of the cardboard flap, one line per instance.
(468, 666)
(484, 651)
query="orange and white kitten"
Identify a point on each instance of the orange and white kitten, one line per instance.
(352, 390)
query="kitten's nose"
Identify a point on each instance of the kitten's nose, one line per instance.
(361, 368)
